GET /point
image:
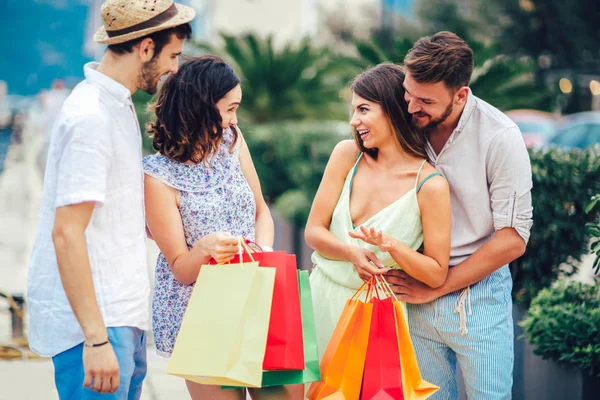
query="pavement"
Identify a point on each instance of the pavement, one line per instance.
(20, 193)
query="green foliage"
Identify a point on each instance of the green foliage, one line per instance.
(563, 182)
(508, 83)
(290, 159)
(567, 31)
(381, 49)
(593, 229)
(297, 81)
(563, 323)
(140, 102)
(445, 15)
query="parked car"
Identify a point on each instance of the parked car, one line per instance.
(578, 130)
(536, 126)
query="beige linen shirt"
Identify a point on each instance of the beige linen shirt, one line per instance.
(488, 169)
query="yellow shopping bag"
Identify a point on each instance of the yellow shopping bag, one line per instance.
(223, 334)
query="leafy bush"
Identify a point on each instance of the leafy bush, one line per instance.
(594, 230)
(563, 323)
(563, 183)
(140, 102)
(290, 159)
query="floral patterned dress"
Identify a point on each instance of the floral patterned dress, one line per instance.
(213, 197)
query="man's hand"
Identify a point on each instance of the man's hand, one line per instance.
(101, 369)
(408, 289)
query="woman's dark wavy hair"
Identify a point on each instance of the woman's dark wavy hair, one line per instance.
(188, 123)
(382, 84)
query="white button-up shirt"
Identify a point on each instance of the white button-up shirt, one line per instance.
(95, 155)
(487, 167)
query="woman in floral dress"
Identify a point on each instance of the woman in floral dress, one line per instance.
(201, 192)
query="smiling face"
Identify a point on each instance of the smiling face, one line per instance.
(429, 103)
(370, 123)
(166, 62)
(228, 106)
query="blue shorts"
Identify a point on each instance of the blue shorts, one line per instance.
(445, 333)
(130, 347)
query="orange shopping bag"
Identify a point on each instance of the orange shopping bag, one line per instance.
(336, 337)
(343, 363)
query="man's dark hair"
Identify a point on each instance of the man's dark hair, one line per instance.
(443, 57)
(160, 39)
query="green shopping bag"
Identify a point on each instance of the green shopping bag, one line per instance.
(311, 371)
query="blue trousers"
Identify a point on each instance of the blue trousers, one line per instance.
(483, 348)
(130, 348)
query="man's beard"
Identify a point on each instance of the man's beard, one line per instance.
(433, 123)
(149, 77)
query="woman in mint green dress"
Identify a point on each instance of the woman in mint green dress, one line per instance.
(378, 203)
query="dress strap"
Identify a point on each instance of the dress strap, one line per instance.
(352, 177)
(419, 172)
(436, 173)
(354, 172)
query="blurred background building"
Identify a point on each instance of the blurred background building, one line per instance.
(53, 38)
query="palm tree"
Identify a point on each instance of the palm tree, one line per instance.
(508, 83)
(296, 81)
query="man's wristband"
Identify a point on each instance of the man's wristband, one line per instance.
(87, 344)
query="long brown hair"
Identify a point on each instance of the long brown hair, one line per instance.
(188, 124)
(382, 84)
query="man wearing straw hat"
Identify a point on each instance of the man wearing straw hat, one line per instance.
(88, 288)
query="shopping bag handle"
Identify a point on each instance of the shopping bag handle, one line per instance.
(360, 291)
(244, 247)
(385, 286)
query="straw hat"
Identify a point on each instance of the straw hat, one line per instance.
(126, 20)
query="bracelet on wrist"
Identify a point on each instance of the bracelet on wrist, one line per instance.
(88, 344)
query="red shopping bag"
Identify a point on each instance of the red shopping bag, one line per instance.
(382, 378)
(285, 348)
(414, 387)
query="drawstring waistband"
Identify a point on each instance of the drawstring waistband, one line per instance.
(459, 307)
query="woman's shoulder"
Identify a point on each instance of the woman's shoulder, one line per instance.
(345, 153)
(432, 181)
(156, 162)
(343, 158)
(168, 171)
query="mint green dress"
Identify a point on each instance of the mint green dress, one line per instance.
(333, 282)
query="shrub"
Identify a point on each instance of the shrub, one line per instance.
(563, 183)
(593, 229)
(563, 323)
(290, 159)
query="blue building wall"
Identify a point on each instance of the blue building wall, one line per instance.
(42, 40)
(404, 7)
